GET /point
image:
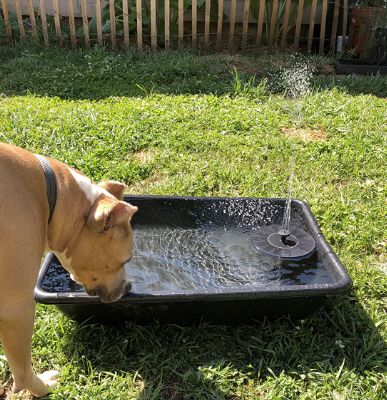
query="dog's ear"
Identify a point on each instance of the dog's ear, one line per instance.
(115, 188)
(107, 213)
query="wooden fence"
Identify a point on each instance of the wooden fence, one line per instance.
(179, 23)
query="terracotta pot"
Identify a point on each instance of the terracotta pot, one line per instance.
(362, 21)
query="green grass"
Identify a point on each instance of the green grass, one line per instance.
(181, 124)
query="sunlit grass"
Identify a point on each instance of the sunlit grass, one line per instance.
(181, 124)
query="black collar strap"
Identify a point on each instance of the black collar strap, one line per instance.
(49, 175)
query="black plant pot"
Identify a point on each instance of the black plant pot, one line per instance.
(358, 67)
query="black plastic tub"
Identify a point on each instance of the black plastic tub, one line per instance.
(358, 67)
(194, 259)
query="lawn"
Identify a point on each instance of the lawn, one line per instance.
(217, 125)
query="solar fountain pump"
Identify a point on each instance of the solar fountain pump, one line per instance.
(281, 240)
(291, 244)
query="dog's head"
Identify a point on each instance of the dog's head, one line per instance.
(104, 246)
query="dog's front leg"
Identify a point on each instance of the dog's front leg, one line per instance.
(16, 327)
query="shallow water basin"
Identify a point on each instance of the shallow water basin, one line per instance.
(194, 259)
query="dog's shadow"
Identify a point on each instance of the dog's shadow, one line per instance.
(203, 361)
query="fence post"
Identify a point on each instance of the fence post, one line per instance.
(261, 16)
(245, 28)
(166, 24)
(99, 22)
(207, 23)
(85, 23)
(194, 23)
(44, 22)
(58, 30)
(8, 30)
(274, 12)
(334, 25)
(20, 19)
(285, 25)
(298, 23)
(125, 21)
(112, 15)
(232, 26)
(322, 26)
(139, 24)
(220, 25)
(153, 25)
(33, 21)
(180, 11)
(70, 10)
(311, 25)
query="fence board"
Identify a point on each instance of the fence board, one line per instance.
(70, 11)
(8, 30)
(32, 19)
(298, 23)
(153, 25)
(220, 25)
(167, 24)
(245, 28)
(181, 23)
(194, 23)
(85, 23)
(112, 15)
(125, 21)
(19, 19)
(322, 26)
(261, 16)
(276, 7)
(58, 30)
(345, 22)
(232, 25)
(274, 11)
(139, 23)
(99, 22)
(285, 25)
(207, 23)
(334, 25)
(311, 25)
(43, 19)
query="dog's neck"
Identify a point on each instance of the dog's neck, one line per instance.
(67, 221)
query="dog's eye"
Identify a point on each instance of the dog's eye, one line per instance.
(94, 279)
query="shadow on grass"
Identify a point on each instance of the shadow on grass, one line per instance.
(210, 362)
(99, 74)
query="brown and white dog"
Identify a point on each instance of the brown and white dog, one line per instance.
(89, 232)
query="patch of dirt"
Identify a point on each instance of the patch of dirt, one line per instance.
(9, 395)
(242, 64)
(308, 135)
(144, 156)
(326, 69)
(152, 181)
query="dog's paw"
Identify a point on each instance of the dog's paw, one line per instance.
(43, 383)
(50, 378)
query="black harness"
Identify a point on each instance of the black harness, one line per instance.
(51, 188)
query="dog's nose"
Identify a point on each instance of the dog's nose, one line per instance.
(128, 287)
(99, 291)
(91, 292)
